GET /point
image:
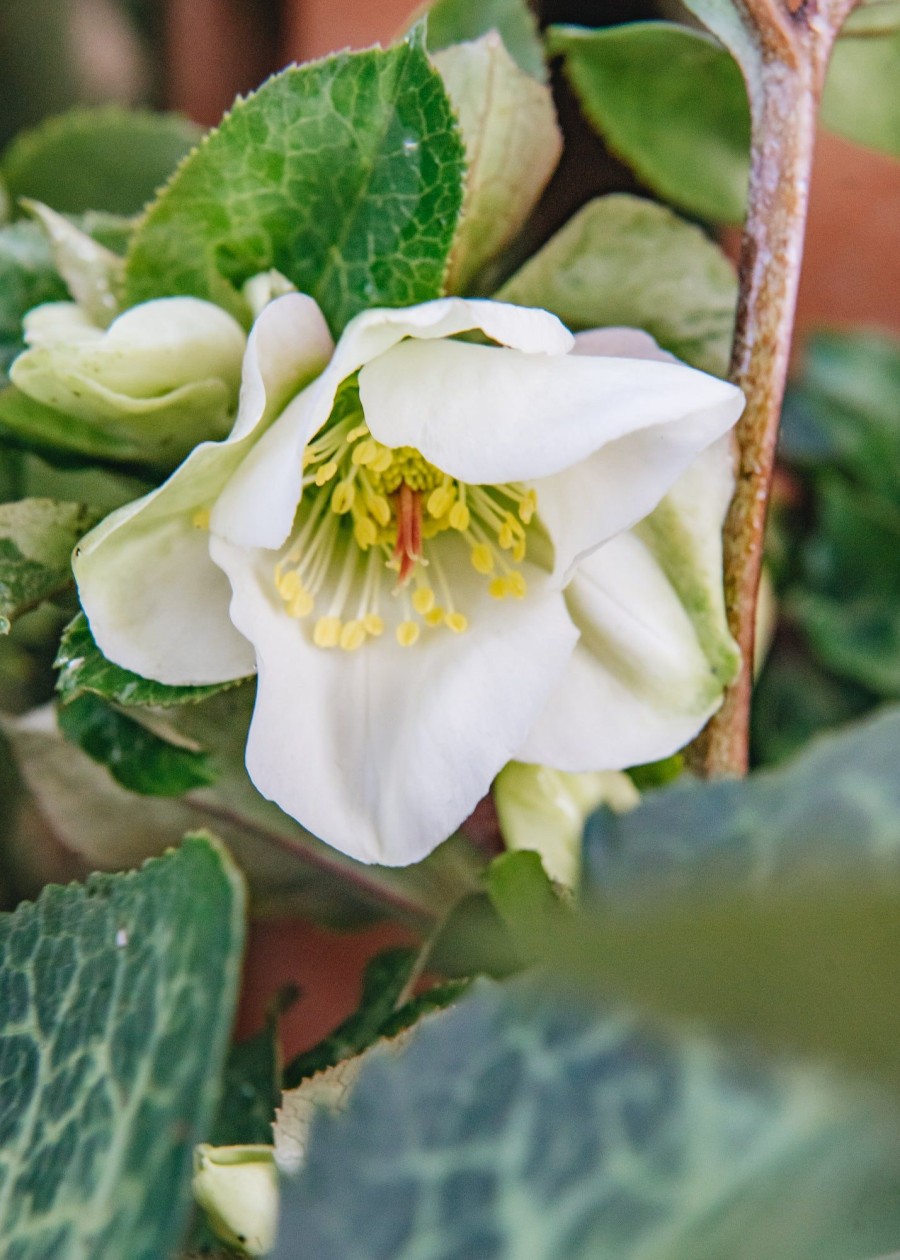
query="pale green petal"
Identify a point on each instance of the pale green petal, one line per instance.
(91, 271)
(512, 144)
(237, 1187)
(167, 372)
(544, 810)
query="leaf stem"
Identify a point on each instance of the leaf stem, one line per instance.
(785, 72)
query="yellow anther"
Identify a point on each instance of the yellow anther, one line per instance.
(361, 430)
(288, 584)
(365, 453)
(302, 604)
(383, 460)
(327, 632)
(373, 624)
(200, 519)
(516, 585)
(365, 532)
(518, 551)
(458, 622)
(505, 537)
(342, 497)
(435, 617)
(498, 589)
(459, 516)
(353, 636)
(423, 600)
(379, 507)
(441, 500)
(326, 472)
(407, 633)
(482, 558)
(528, 507)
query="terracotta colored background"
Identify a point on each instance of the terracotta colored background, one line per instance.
(851, 277)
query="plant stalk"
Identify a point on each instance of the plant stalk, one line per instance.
(785, 83)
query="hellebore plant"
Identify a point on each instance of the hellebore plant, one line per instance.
(435, 554)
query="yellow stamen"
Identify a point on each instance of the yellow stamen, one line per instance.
(435, 617)
(482, 558)
(459, 516)
(364, 532)
(423, 600)
(366, 452)
(342, 497)
(353, 636)
(327, 632)
(458, 622)
(441, 500)
(407, 633)
(373, 624)
(200, 519)
(302, 604)
(497, 588)
(516, 585)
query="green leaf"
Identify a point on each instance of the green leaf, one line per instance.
(36, 541)
(861, 100)
(142, 757)
(849, 602)
(27, 278)
(843, 409)
(82, 667)
(251, 1090)
(119, 997)
(837, 805)
(523, 897)
(523, 1125)
(109, 158)
(671, 103)
(345, 175)
(386, 976)
(458, 21)
(625, 261)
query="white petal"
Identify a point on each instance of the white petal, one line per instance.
(382, 752)
(257, 509)
(621, 343)
(156, 602)
(486, 414)
(639, 685)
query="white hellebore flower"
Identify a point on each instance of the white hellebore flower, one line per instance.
(425, 547)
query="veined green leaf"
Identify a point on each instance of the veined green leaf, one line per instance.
(345, 175)
(118, 1000)
(36, 541)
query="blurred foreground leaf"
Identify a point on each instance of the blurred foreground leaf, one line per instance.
(36, 541)
(118, 1001)
(522, 1125)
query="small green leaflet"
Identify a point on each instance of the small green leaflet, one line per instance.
(36, 541)
(346, 175)
(457, 21)
(83, 667)
(143, 757)
(118, 998)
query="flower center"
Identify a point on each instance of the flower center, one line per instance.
(371, 517)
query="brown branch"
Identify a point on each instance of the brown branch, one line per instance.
(785, 85)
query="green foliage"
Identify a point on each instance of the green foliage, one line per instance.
(83, 667)
(345, 175)
(671, 104)
(143, 758)
(251, 1090)
(57, 435)
(795, 699)
(109, 159)
(36, 541)
(861, 100)
(524, 1125)
(455, 21)
(625, 261)
(118, 999)
(27, 278)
